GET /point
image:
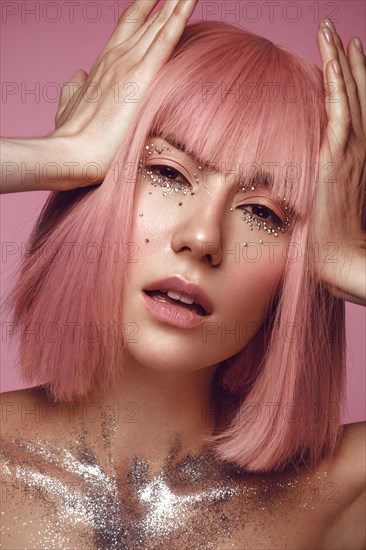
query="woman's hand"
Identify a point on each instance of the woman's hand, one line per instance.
(136, 51)
(95, 110)
(339, 221)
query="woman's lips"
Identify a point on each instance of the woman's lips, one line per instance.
(174, 314)
(186, 306)
(187, 292)
(177, 299)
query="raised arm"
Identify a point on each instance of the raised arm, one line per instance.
(90, 132)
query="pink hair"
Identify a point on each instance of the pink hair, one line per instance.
(227, 94)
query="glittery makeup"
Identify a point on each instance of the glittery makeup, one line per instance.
(258, 218)
(71, 494)
(170, 185)
(255, 221)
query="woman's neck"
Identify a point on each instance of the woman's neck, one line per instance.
(152, 410)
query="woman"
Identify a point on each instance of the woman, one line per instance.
(192, 399)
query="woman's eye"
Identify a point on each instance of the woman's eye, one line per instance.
(166, 171)
(166, 176)
(254, 212)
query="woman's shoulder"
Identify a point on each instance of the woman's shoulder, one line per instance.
(22, 408)
(349, 462)
(347, 472)
(35, 434)
(30, 413)
(347, 469)
(36, 479)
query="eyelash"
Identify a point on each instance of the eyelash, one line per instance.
(169, 185)
(249, 217)
(160, 167)
(271, 216)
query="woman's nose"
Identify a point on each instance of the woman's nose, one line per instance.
(199, 231)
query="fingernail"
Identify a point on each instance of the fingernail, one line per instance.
(358, 43)
(328, 35)
(336, 66)
(329, 24)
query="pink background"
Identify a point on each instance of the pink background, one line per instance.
(44, 42)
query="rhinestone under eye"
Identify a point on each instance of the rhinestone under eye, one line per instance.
(255, 222)
(169, 185)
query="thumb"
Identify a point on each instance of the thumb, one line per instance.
(68, 91)
(71, 86)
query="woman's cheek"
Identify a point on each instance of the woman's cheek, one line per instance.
(252, 287)
(151, 222)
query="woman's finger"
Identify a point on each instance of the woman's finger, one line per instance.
(131, 27)
(131, 20)
(336, 46)
(339, 121)
(327, 53)
(357, 61)
(336, 98)
(160, 17)
(158, 46)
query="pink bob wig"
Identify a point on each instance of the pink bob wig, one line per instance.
(229, 96)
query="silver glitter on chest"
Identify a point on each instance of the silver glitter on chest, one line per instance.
(84, 501)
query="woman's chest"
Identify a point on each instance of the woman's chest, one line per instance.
(104, 521)
(74, 501)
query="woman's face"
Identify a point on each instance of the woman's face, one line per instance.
(199, 227)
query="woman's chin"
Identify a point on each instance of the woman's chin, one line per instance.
(165, 359)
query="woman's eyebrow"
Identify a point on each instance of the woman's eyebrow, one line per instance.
(261, 178)
(183, 148)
